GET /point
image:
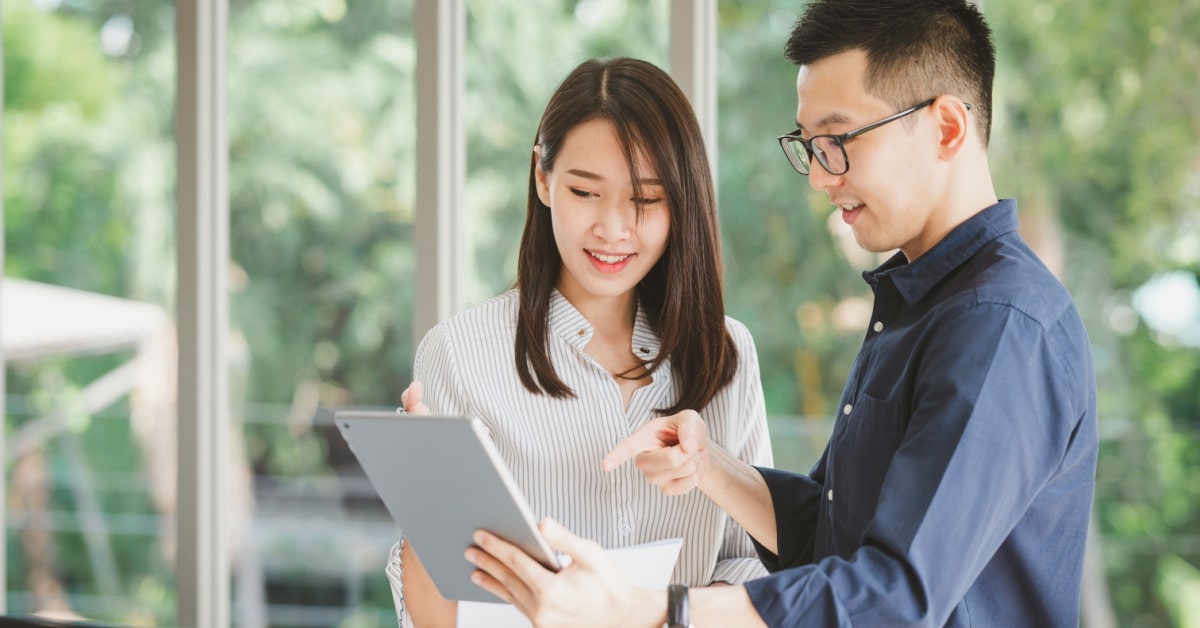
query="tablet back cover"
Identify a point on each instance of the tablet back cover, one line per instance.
(441, 479)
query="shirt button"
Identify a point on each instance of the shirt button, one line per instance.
(645, 350)
(582, 332)
(625, 528)
(830, 494)
(847, 410)
(878, 326)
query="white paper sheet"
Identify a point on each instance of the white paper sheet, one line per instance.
(648, 565)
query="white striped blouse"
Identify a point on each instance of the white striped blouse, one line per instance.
(553, 447)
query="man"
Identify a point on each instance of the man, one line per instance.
(957, 485)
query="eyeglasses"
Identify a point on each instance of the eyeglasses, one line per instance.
(830, 150)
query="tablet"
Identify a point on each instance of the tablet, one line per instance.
(442, 479)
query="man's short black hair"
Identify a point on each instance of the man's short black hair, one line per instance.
(916, 49)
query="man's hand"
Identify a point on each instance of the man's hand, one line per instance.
(671, 451)
(588, 592)
(675, 454)
(411, 398)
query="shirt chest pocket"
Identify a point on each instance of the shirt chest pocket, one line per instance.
(864, 450)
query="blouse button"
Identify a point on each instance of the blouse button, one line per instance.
(829, 495)
(847, 410)
(645, 350)
(878, 326)
(582, 332)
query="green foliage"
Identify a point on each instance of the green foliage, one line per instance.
(36, 73)
(321, 111)
(1179, 582)
(785, 274)
(62, 185)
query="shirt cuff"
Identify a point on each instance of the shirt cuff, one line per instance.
(395, 574)
(796, 500)
(738, 570)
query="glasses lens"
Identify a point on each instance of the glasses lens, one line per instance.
(830, 153)
(797, 155)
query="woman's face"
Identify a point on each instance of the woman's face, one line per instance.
(606, 249)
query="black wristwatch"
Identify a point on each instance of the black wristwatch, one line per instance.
(677, 607)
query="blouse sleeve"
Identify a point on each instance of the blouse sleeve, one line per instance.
(435, 366)
(395, 576)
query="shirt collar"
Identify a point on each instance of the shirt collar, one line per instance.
(566, 321)
(914, 280)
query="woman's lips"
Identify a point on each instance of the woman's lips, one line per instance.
(609, 263)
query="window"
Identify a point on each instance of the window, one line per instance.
(88, 307)
(322, 144)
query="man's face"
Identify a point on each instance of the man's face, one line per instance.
(889, 193)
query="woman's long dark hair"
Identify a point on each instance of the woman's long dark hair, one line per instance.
(682, 293)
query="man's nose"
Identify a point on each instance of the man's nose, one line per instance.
(820, 179)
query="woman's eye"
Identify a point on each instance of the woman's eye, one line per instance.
(582, 193)
(646, 201)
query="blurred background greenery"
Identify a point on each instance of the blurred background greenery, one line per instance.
(1097, 133)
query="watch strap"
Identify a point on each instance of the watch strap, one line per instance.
(677, 607)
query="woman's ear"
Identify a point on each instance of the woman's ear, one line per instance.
(540, 177)
(953, 124)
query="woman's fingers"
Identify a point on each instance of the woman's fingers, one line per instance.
(507, 567)
(411, 398)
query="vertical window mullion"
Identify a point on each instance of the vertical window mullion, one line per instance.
(440, 27)
(693, 59)
(202, 569)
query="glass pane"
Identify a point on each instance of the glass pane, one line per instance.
(87, 309)
(507, 89)
(322, 140)
(791, 271)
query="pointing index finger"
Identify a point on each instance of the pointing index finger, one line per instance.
(641, 440)
(623, 451)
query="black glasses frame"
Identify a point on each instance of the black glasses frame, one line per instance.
(803, 165)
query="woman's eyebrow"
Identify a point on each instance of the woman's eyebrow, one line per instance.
(596, 177)
(585, 174)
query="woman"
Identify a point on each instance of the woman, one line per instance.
(617, 317)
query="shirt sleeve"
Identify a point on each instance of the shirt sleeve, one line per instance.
(395, 576)
(796, 500)
(736, 561)
(992, 414)
(436, 367)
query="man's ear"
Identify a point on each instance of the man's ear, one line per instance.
(953, 125)
(539, 175)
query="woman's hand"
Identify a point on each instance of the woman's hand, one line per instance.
(588, 592)
(411, 398)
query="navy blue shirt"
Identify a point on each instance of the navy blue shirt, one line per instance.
(957, 484)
